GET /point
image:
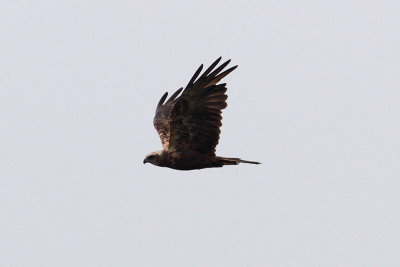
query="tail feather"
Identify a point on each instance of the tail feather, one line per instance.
(234, 161)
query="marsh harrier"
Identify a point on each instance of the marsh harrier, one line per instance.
(188, 125)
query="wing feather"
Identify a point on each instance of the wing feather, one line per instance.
(160, 120)
(162, 100)
(195, 117)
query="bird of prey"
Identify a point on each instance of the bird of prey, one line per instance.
(188, 125)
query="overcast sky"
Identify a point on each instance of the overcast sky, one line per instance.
(315, 98)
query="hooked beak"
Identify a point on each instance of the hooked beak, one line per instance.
(145, 161)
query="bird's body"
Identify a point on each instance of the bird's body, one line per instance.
(188, 125)
(182, 161)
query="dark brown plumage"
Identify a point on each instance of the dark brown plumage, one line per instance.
(188, 125)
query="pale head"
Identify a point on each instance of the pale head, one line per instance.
(153, 158)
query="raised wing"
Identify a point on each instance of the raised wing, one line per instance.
(161, 118)
(195, 117)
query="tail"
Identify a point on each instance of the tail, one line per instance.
(234, 161)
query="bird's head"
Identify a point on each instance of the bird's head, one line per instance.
(153, 158)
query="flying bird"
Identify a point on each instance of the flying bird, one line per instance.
(188, 125)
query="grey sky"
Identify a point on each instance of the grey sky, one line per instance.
(315, 98)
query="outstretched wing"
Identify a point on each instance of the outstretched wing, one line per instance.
(161, 118)
(195, 117)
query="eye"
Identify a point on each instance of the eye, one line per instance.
(151, 157)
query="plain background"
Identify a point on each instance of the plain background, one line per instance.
(315, 98)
